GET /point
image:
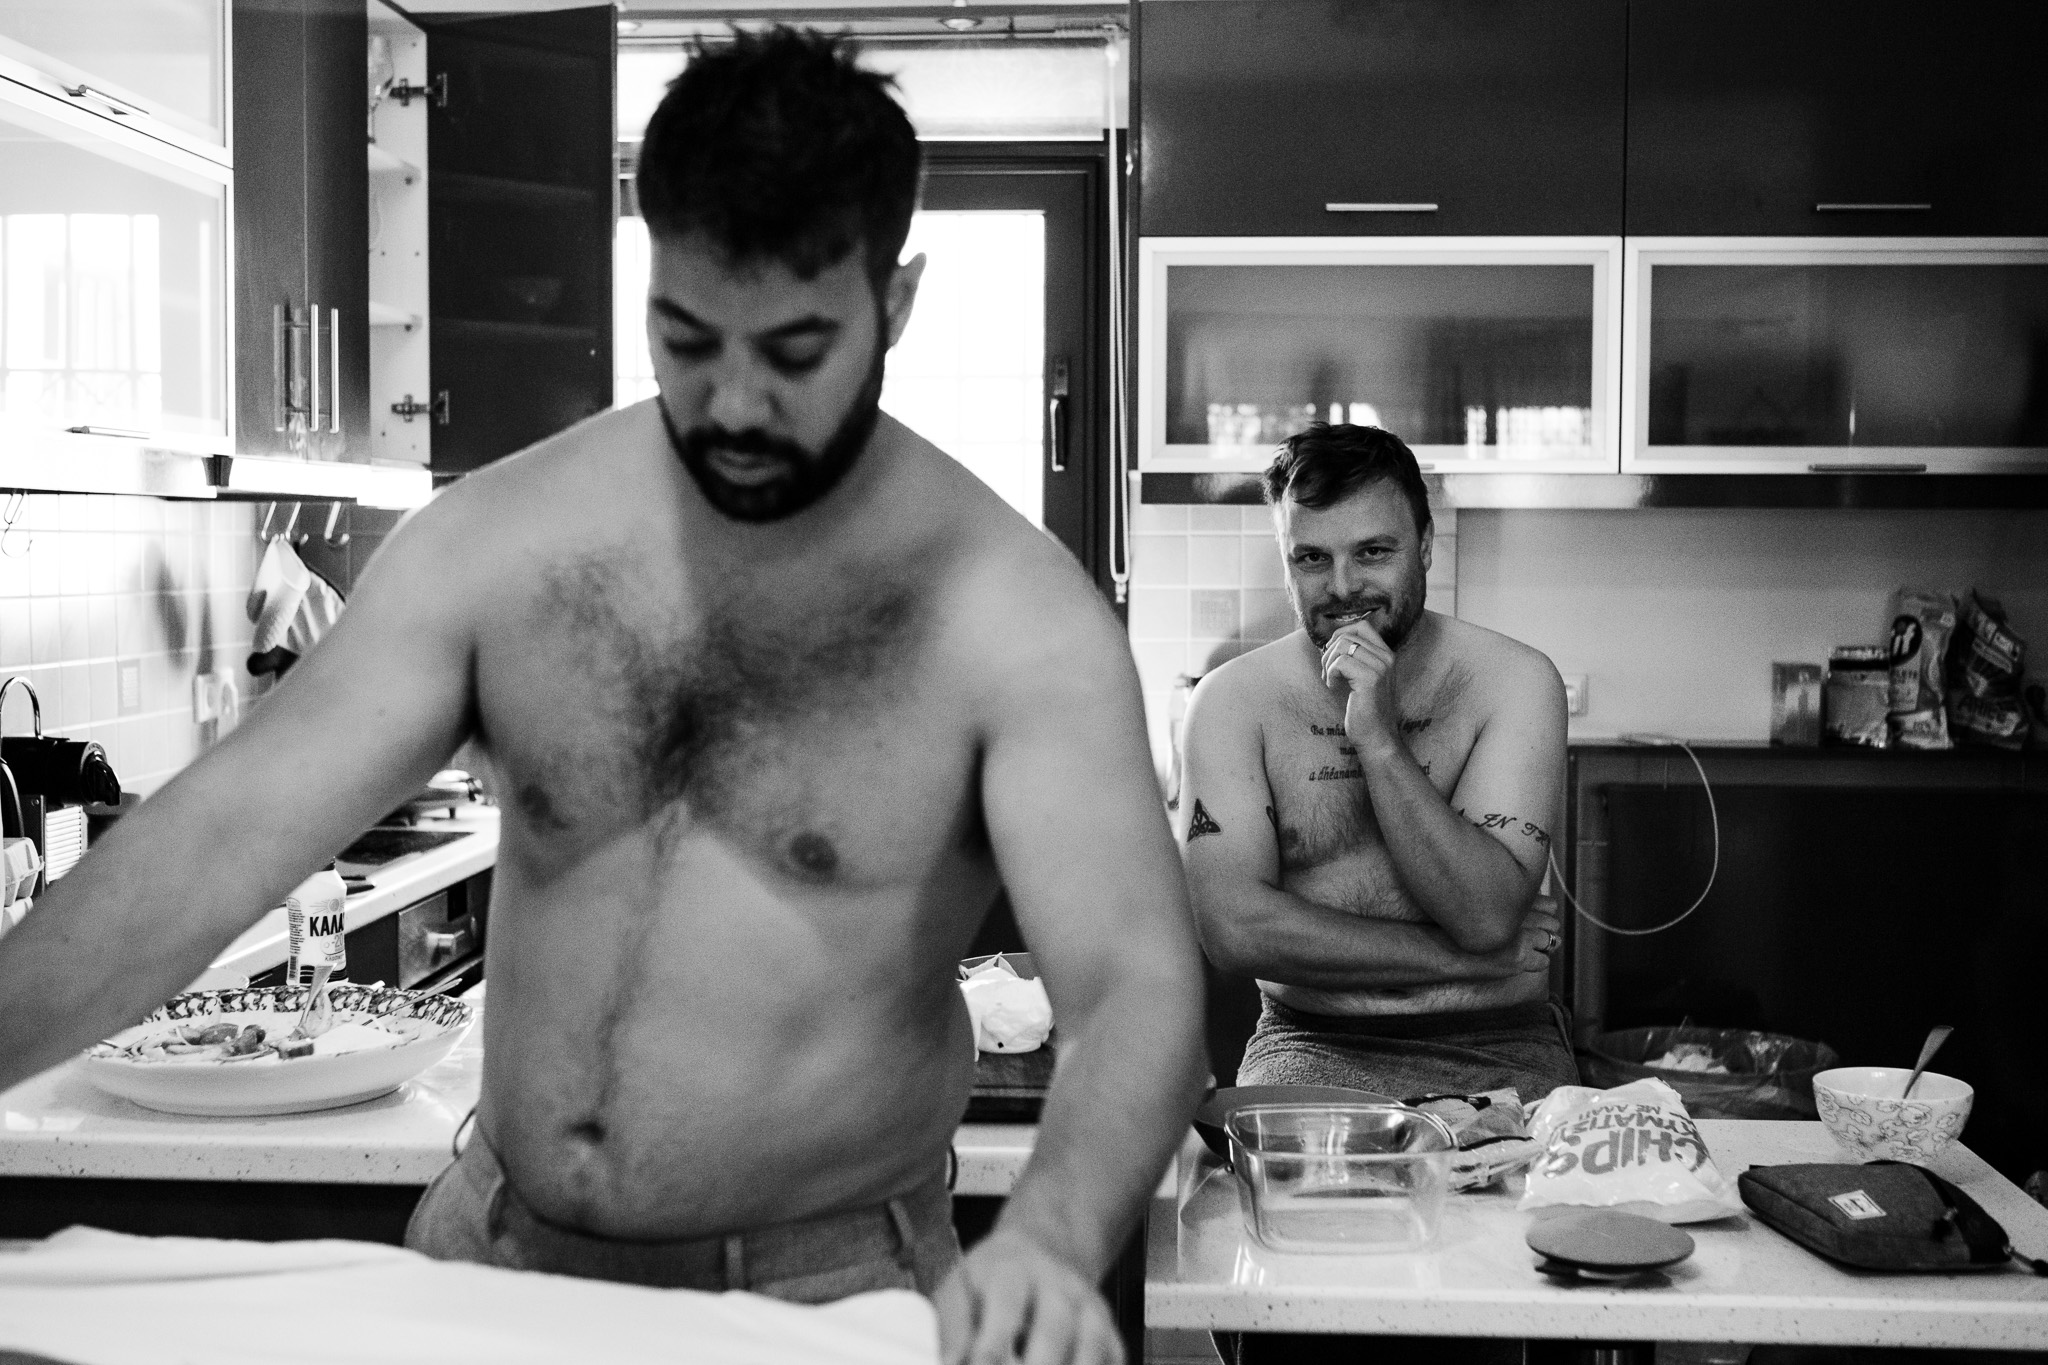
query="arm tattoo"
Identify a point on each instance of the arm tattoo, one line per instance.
(1513, 824)
(1201, 822)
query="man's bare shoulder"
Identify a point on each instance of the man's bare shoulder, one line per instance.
(1241, 693)
(1498, 666)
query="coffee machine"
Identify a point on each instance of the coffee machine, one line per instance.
(46, 782)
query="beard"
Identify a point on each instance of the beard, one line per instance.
(1398, 615)
(804, 477)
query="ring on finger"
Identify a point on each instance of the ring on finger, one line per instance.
(1352, 648)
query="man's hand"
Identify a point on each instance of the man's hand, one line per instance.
(1541, 934)
(1011, 1300)
(1356, 657)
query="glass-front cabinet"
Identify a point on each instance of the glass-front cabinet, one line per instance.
(1483, 354)
(159, 66)
(1843, 355)
(113, 270)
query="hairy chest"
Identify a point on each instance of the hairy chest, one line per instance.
(813, 732)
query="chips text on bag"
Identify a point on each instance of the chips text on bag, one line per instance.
(1632, 1148)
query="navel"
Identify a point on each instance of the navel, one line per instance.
(812, 855)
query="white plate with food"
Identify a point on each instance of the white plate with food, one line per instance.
(232, 1052)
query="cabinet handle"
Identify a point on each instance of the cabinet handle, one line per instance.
(334, 371)
(1853, 468)
(313, 370)
(280, 342)
(118, 108)
(1873, 208)
(1379, 208)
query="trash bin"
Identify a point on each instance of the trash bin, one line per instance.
(1761, 1075)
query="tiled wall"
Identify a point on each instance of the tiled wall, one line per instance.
(1207, 585)
(88, 584)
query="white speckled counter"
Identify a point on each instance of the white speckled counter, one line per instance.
(1744, 1283)
(393, 886)
(60, 1124)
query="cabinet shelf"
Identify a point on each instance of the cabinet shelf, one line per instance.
(390, 315)
(458, 187)
(382, 162)
(476, 329)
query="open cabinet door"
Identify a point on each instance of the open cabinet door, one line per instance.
(520, 145)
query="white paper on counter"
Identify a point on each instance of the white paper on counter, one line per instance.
(89, 1297)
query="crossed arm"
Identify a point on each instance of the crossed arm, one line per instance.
(1453, 862)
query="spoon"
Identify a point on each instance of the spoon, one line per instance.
(1936, 1036)
(317, 998)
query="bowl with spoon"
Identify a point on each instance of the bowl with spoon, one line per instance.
(1889, 1113)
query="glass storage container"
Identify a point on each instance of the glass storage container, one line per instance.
(1482, 354)
(1341, 1177)
(113, 258)
(1842, 355)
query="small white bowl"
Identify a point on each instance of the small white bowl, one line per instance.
(1862, 1110)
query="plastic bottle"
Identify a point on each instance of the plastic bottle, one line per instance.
(314, 913)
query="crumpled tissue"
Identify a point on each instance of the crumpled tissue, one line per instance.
(1009, 1012)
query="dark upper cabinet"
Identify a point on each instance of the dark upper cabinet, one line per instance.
(1254, 116)
(301, 229)
(522, 191)
(1747, 117)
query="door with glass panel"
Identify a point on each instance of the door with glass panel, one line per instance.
(1001, 366)
(159, 67)
(1847, 355)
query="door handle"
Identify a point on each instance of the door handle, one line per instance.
(118, 108)
(1873, 208)
(1853, 467)
(1056, 415)
(313, 335)
(280, 342)
(334, 371)
(1378, 208)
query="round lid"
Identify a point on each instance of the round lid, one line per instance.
(1606, 1240)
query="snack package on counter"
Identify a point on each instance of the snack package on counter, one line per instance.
(1984, 700)
(1010, 1013)
(1922, 622)
(1856, 701)
(1492, 1133)
(1632, 1148)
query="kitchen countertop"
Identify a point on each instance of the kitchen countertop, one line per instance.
(1743, 1283)
(393, 886)
(59, 1124)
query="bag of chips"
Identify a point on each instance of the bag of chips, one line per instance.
(1632, 1148)
(1922, 623)
(1984, 701)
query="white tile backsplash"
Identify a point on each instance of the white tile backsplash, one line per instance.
(87, 582)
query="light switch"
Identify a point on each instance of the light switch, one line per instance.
(1575, 694)
(128, 686)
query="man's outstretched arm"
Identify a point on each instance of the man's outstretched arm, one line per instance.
(1251, 925)
(355, 727)
(1074, 817)
(1472, 862)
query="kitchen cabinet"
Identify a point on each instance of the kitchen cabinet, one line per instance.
(158, 66)
(1836, 355)
(302, 286)
(1837, 118)
(522, 191)
(1487, 356)
(1314, 117)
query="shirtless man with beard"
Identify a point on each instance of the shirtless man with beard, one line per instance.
(776, 695)
(1369, 803)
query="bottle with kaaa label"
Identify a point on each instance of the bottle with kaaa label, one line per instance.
(314, 913)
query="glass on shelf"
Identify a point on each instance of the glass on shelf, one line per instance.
(1480, 361)
(111, 297)
(165, 59)
(1848, 355)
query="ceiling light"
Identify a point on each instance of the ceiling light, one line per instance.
(961, 23)
(629, 25)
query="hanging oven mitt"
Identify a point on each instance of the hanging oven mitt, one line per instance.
(292, 607)
(1882, 1215)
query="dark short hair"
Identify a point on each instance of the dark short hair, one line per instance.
(777, 147)
(1327, 463)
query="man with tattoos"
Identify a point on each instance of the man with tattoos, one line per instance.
(776, 695)
(1368, 806)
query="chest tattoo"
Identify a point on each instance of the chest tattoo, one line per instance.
(1201, 822)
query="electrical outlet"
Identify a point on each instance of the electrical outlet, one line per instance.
(1575, 694)
(128, 686)
(205, 698)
